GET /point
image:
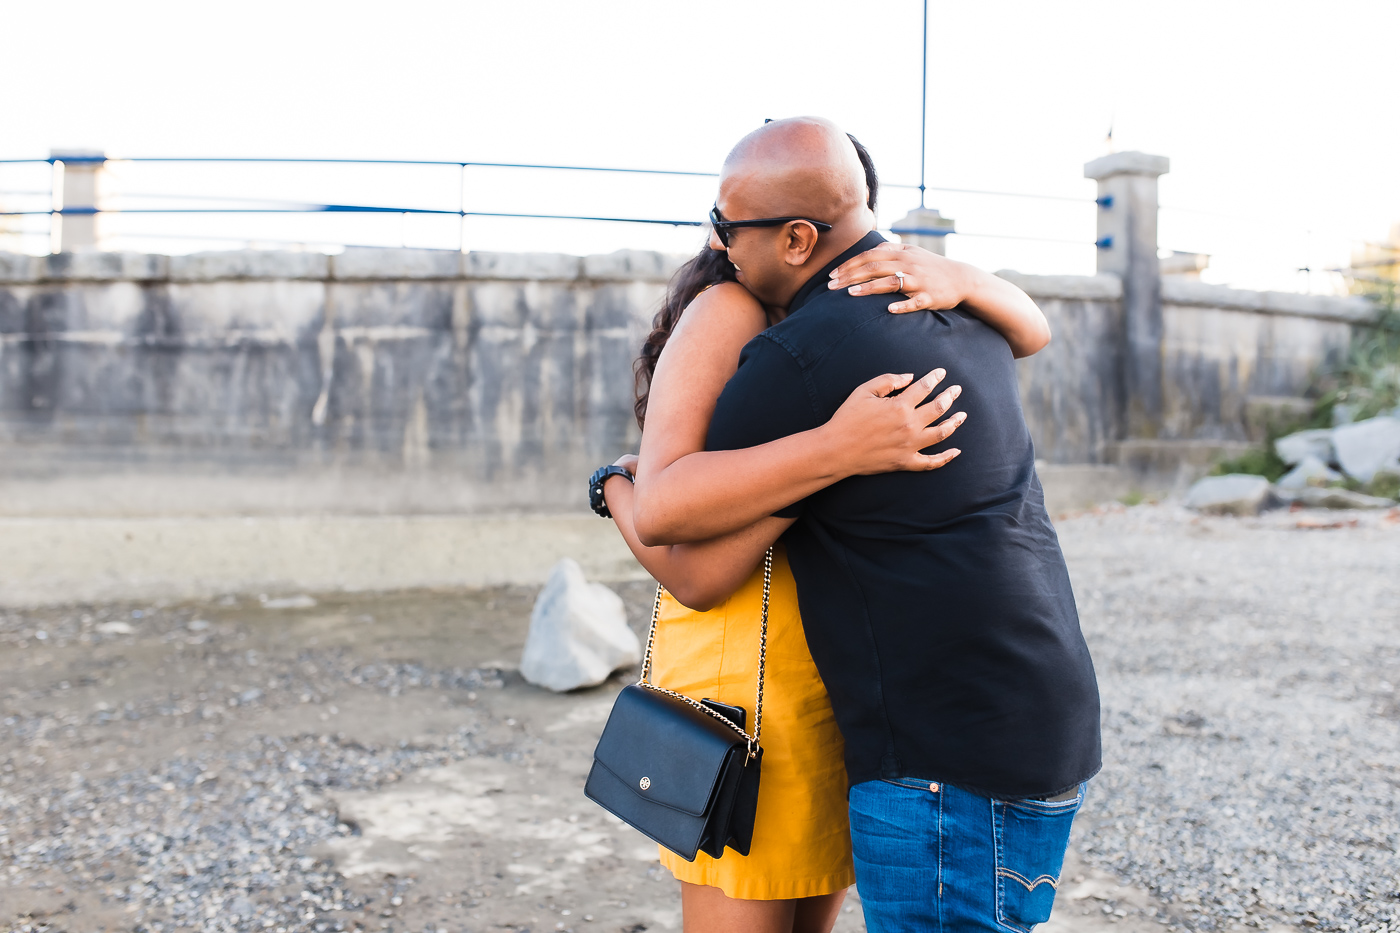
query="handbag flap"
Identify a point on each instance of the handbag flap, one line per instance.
(665, 750)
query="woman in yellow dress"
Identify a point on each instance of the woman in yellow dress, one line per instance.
(799, 866)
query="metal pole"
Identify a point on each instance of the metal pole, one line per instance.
(55, 205)
(462, 208)
(923, 113)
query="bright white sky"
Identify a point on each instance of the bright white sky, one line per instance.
(1278, 116)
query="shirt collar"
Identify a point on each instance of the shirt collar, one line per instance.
(817, 283)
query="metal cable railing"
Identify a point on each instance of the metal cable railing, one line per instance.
(218, 204)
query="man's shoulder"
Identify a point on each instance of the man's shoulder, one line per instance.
(826, 320)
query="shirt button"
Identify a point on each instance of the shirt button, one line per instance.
(933, 788)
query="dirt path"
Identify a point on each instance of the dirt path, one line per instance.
(374, 763)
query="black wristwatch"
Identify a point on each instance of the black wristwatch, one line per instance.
(595, 487)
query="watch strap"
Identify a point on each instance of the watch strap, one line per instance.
(596, 501)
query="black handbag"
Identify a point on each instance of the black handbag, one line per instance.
(679, 770)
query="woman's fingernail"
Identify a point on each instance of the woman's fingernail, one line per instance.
(855, 289)
(939, 373)
(834, 283)
(955, 391)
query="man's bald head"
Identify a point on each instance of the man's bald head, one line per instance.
(802, 166)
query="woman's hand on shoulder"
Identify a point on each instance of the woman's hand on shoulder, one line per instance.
(931, 282)
(934, 283)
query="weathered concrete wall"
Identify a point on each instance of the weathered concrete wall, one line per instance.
(512, 371)
(1071, 390)
(178, 427)
(507, 377)
(1221, 348)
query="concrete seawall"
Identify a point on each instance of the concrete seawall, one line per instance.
(350, 392)
(512, 370)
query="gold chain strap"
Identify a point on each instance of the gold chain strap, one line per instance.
(762, 660)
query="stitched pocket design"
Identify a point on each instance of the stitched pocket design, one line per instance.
(1031, 838)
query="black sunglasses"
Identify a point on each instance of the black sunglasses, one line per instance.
(722, 226)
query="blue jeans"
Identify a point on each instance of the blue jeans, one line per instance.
(933, 857)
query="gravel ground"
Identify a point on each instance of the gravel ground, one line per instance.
(1252, 724)
(255, 765)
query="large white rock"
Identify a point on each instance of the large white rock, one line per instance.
(1295, 448)
(1368, 447)
(1310, 472)
(578, 633)
(1231, 494)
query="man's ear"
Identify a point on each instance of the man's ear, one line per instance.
(799, 240)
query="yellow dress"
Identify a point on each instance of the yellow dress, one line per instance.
(801, 841)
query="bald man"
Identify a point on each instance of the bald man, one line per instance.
(936, 604)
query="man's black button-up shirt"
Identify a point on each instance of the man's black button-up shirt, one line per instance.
(936, 605)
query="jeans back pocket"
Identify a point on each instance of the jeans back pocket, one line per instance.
(1031, 839)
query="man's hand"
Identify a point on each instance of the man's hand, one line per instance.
(610, 485)
(931, 282)
(879, 432)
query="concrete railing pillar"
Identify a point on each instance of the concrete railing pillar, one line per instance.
(1127, 242)
(924, 226)
(82, 170)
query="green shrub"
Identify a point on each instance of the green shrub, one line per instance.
(1368, 381)
(1385, 485)
(1259, 462)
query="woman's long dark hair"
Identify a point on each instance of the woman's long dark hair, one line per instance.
(710, 267)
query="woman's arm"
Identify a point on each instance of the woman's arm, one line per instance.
(700, 575)
(686, 494)
(935, 282)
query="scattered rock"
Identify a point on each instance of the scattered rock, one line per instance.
(197, 625)
(578, 633)
(1296, 447)
(114, 628)
(1318, 497)
(1232, 494)
(290, 602)
(1368, 447)
(1310, 471)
